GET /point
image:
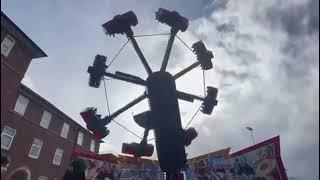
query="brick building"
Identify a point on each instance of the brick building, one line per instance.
(37, 137)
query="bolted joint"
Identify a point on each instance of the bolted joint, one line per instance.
(172, 19)
(204, 56)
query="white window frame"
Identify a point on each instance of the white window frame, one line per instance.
(22, 103)
(46, 119)
(80, 140)
(7, 39)
(8, 135)
(92, 145)
(65, 130)
(59, 152)
(37, 146)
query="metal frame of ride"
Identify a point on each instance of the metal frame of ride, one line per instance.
(164, 115)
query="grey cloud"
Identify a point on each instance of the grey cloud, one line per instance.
(227, 27)
(244, 37)
(219, 5)
(190, 9)
(236, 75)
(303, 54)
(284, 102)
(295, 19)
(245, 56)
(200, 8)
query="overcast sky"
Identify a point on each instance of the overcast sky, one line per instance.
(265, 66)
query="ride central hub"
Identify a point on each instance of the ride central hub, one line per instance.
(165, 115)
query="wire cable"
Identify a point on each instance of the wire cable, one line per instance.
(193, 117)
(118, 53)
(145, 35)
(185, 44)
(106, 95)
(204, 90)
(105, 91)
(127, 129)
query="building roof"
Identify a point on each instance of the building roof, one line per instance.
(36, 52)
(24, 88)
(108, 155)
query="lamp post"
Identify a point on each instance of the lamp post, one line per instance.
(251, 129)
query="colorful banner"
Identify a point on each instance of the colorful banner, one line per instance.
(259, 162)
(124, 168)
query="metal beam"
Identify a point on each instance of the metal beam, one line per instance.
(127, 79)
(129, 105)
(168, 50)
(138, 51)
(187, 69)
(128, 75)
(188, 97)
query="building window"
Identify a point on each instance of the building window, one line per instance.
(57, 157)
(92, 145)
(45, 120)
(35, 148)
(21, 104)
(65, 130)
(6, 45)
(80, 138)
(43, 178)
(7, 136)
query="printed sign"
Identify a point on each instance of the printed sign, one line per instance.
(259, 162)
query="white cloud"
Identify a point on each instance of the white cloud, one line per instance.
(267, 78)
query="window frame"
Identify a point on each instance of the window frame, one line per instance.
(67, 133)
(57, 154)
(24, 108)
(43, 119)
(36, 145)
(92, 147)
(81, 143)
(5, 134)
(6, 53)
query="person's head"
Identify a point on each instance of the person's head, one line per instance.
(266, 167)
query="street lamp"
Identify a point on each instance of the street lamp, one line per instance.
(251, 129)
